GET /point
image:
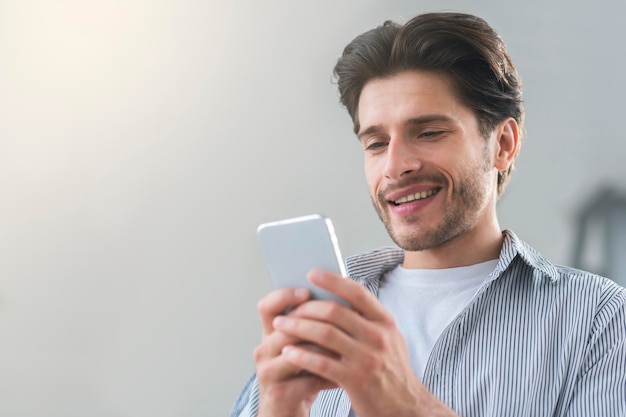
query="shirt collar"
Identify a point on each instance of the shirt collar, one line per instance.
(382, 260)
(514, 246)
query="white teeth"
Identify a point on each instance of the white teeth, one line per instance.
(416, 196)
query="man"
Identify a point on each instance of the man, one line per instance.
(464, 319)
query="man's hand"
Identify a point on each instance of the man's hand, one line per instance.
(370, 361)
(286, 390)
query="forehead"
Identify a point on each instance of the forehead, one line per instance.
(408, 95)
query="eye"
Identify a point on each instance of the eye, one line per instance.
(375, 145)
(431, 133)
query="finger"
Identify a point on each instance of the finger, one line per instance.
(335, 314)
(320, 365)
(272, 344)
(312, 347)
(359, 298)
(281, 373)
(277, 302)
(356, 325)
(277, 368)
(324, 338)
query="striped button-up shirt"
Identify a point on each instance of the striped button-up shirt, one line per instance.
(537, 339)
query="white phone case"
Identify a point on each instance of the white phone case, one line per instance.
(292, 247)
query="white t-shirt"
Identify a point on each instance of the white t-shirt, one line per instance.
(425, 301)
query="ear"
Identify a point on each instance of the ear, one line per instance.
(507, 144)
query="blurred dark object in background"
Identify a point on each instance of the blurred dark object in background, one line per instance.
(600, 244)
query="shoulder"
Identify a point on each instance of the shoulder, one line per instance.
(580, 287)
(604, 295)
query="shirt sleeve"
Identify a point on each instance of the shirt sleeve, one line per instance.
(600, 388)
(247, 403)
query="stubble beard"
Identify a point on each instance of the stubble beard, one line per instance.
(468, 201)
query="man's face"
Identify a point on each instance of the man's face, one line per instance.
(428, 169)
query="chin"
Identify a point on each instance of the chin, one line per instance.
(412, 244)
(413, 240)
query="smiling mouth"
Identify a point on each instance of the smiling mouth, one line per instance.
(417, 196)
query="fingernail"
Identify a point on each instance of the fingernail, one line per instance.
(288, 351)
(316, 275)
(301, 293)
(281, 321)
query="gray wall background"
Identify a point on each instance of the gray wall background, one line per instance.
(141, 143)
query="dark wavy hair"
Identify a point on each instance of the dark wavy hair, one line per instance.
(462, 46)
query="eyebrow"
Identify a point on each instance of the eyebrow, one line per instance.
(414, 121)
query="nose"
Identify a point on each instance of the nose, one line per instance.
(401, 159)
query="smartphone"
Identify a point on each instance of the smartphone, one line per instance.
(292, 247)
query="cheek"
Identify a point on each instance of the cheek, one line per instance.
(372, 178)
(459, 163)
